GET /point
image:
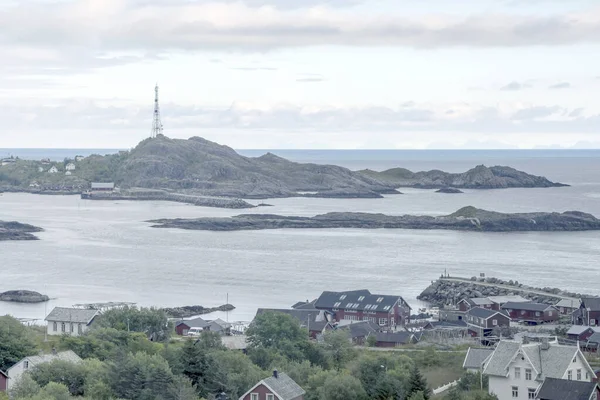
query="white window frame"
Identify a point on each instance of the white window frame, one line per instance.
(253, 396)
(270, 396)
(579, 374)
(63, 327)
(383, 321)
(495, 322)
(592, 322)
(537, 313)
(527, 374)
(531, 393)
(517, 372)
(570, 375)
(55, 326)
(515, 392)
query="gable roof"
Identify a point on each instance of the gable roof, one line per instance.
(506, 299)
(479, 301)
(283, 387)
(594, 338)
(304, 305)
(484, 313)
(360, 329)
(401, 337)
(561, 389)
(579, 329)
(360, 300)
(476, 356)
(76, 315)
(568, 303)
(218, 324)
(3, 374)
(528, 306)
(67, 355)
(193, 323)
(593, 303)
(548, 363)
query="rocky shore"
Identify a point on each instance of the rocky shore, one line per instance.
(17, 231)
(450, 290)
(465, 219)
(449, 190)
(23, 296)
(158, 195)
(190, 311)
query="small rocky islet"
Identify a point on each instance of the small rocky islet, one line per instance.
(11, 230)
(23, 296)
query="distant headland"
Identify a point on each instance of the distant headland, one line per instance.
(17, 231)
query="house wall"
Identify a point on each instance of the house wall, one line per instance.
(502, 387)
(525, 315)
(262, 392)
(463, 306)
(15, 372)
(182, 329)
(582, 337)
(579, 364)
(501, 320)
(57, 330)
(3, 383)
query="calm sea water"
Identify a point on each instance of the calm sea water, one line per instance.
(104, 251)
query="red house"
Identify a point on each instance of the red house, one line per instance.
(3, 381)
(277, 387)
(483, 302)
(481, 322)
(588, 312)
(182, 327)
(393, 339)
(581, 332)
(531, 312)
(361, 305)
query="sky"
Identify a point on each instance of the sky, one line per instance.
(300, 74)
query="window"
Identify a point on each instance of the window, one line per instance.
(72, 327)
(495, 322)
(522, 312)
(379, 299)
(587, 376)
(537, 313)
(549, 313)
(527, 374)
(62, 327)
(342, 297)
(361, 298)
(570, 375)
(55, 326)
(386, 308)
(253, 396)
(80, 329)
(578, 374)
(517, 373)
(515, 392)
(592, 322)
(270, 397)
(25, 364)
(531, 393)
(383, 321)
(336, 305)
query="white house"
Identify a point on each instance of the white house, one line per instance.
(53, 170)
(70, 167)
(475, 359)
(70, 321)
(79, 158)
(15, 372)
(517, 370)
(40, 169)
(68, 173)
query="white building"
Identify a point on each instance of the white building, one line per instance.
(79, 158)
(15, 372)
(70, 321)
(40, 169)
(476, 358)
(68, 173)
(517, 370)
(70, 167)
(53, 170)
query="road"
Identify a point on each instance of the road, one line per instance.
(501, 286)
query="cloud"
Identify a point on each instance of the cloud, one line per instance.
(561, 85)
(536, 112)
(576, 112)
(515, 86)
(247, 69)
(309, 77)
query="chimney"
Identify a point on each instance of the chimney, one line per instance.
(545, 344)
(54, 351)
(275, 374)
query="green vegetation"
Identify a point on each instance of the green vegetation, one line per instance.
(120, 362)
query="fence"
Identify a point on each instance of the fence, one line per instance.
(445, 387)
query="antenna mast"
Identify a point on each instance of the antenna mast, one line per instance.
(157, 128)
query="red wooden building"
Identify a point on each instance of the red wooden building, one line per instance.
(3, 381)
(581, 332)
(531, 312)
(588, 312)
(277, 387)
(481, 322)
(361, 305)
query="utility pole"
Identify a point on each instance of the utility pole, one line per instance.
(157, 128)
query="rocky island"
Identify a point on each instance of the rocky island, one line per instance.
(199, 171)
(17, 231)
(23, 296)
(190, 311)
(449, 190)
(465, 219)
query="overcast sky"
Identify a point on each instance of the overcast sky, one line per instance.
(302, 73)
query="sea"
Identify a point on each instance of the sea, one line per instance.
(93, 251)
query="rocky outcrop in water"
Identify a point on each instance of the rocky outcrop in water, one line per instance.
(23, 296)
(190, 311)
(17, 231)
(449, 190)
(465, 219)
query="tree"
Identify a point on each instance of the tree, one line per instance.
(240, 373)
(69, 374)
(53, 391)
(16, 342)
(371, 340)
(24, 388)
(182, 389)
(201, 369)
(278, 331)
(417, 383)
(342, 387)
(152, 322)
(417, 396)
(140, 376)
(338, 347)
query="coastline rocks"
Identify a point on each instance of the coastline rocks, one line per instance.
(18, 231)
(465, 219)
(190, 311)
(449, 190)
(158, 195)
(23, 296)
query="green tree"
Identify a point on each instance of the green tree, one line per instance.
(240, 373)
(16, 342)
(342, 387)
(338, 347)
(69, 374)
(53, 391)
(201, 369)
(140, 376)
(152, 322)
(278, 331)
(182, 389)
(417, 383)
(24, 388)
(371, 340)
(417, 396)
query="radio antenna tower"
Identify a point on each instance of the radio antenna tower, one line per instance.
(157, 128)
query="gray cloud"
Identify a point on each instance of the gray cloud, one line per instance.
(576, 112)
(515, 86)
(536, 112)
(247, 69)
(561, 85)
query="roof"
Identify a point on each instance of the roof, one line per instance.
(446, 324)
(194, 323)
(579, 329)
(4, 374)
(476, 356)
(593, 303)
(318, 326)
(360, 328)
(68, 355)
(594, 338)
(305, 305)
(219, 324)
(561, 389)
(235, 342)
(76, 315)
(539, 307)
(479, 301)
(549, 363)
(283, 386)
(360, 300)
(100, 185)
(506, 299)
(568, 303)
(394, 337)
(484, 313)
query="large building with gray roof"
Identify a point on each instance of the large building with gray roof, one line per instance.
(70, 321)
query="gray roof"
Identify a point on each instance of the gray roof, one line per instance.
(569, 303)
(594, 338)
(476, 356)
(483, 313)
(446, 324)
(528, 306)
(76, 315)
(194, 323)
(360, 300)
(505, 299)
(284, 386)
(579, 329)
(101, 185)
(304, 305)
(593, 303)
(549, 363)
(360, 328)
(479, 301)
(562, 389)
(218, 325)
(68, 355)
(394, 337)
